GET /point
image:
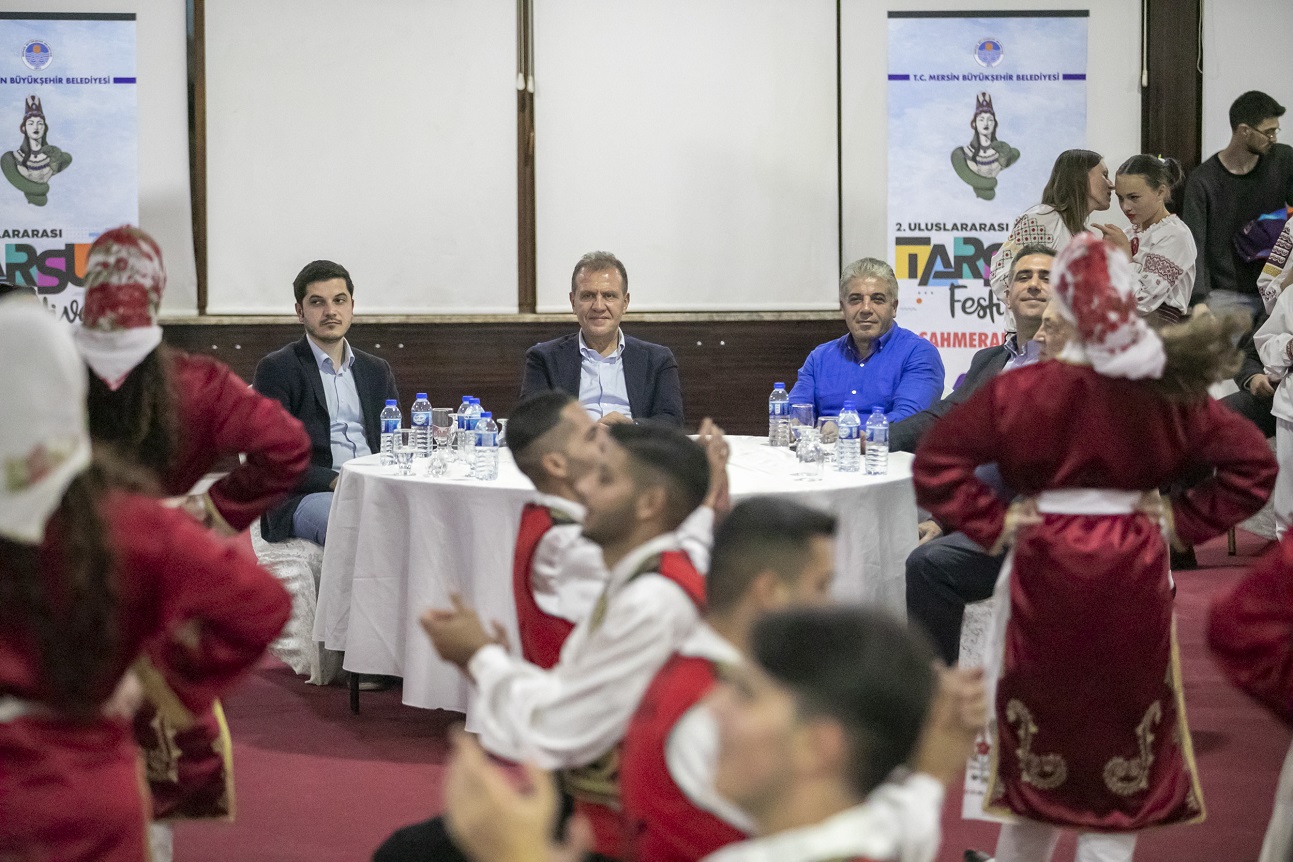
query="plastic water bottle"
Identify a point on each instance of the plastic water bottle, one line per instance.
(460, 427)
(486, 450)
(391, 418)
(470, 418)
(420, 422)
(877, 443)
(779, 416)
(848, 446)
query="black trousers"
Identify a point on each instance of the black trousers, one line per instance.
(943, 576)
(1257, 410)
(430, 841)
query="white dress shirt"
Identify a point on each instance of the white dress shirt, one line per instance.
(898, 822)
(345, 412)
(1272, 341)
(569, 572)
(602, 389)
(578, 710)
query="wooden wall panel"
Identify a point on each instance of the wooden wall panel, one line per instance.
(1172, 100)
(727, 367)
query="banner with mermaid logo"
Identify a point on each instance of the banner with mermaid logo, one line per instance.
(980, 104)
(68, 146)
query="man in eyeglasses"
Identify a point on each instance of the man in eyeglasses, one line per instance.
(1253, 175)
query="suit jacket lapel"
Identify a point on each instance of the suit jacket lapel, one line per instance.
(569, 366)
(310, 368)
(366, 384)
(635, 377)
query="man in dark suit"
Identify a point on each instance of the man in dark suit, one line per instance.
(945, 573)
(336, 391)
(616, 378)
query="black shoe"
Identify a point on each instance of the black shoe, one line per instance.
(977, 856)
(1181, 561)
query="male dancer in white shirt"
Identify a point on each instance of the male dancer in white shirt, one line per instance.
(572, 716)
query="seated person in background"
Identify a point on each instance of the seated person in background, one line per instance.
(945, 573)
(573, 715)
(878, 363)
(1027, 293)
(617, 378)
(1054, 334)
(336, 391)
(1274, 341)
(815, 732)
(768, 554)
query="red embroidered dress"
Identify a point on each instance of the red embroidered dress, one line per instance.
(1089, 708)
(71, 791)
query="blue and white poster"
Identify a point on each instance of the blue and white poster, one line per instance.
(68, 146)
(980, 104)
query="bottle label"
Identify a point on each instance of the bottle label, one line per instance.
(421, 419)
(469, 422)
(390, 426)
(778, 408)
(487, 439)
(850, 432)
(878, 435)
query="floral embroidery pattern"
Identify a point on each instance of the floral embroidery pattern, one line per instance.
(22, 472)
(1044, 771)
(1126, 777)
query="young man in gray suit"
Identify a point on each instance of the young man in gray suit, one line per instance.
(617, 378)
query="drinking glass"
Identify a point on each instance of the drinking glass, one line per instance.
(801, 416)
(405, 446)
(828, 431)
(810, 456)
(441, 436)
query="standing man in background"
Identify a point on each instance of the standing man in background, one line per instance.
(1251, 176)
(616, 378)
(336, 391)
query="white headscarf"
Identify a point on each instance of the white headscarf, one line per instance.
(44, 435)
(1094, 288)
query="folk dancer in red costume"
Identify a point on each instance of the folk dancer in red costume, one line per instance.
(572, 716)
(1250, 631)
(90, 577)
(838, 736)
(768, 554)
(558, 573)
(177, 415)
(1086, 588)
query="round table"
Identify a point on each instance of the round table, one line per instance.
(400, 544)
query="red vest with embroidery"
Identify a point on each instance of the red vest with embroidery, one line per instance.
(542, 634)
(660, 823)
(596, 787)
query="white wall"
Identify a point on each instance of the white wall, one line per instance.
(695, 139)
(1113, 101)
(379, 134)
(1246, 46)
(162, 69)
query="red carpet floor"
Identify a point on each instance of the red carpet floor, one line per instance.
(319, 784)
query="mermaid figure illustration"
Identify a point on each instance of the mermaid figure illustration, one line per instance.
(985, 156)
(30, 167)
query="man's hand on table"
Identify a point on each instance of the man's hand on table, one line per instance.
(615, 417)
(458, 634)
(711, 438)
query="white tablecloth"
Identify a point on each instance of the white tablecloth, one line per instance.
(398, 545)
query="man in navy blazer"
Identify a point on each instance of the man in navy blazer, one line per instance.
(336, 391)
(616, 378)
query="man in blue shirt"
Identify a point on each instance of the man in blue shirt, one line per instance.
(878, 363)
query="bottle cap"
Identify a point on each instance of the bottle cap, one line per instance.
(778, 386)
(473, 399)
(422, 396)
(391, 402)
(487, 415)
(848, 405)
(877, 409)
